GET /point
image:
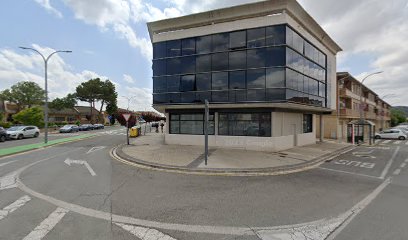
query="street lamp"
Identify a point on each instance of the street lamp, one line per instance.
(46, 86)
(129, 99)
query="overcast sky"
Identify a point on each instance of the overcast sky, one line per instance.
(109, 39)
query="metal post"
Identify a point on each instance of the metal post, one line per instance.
(352, 134)
(127, 132)
(206, 115)
(321, 128)
(46, 103)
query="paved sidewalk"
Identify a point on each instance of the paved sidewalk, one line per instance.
(149, 150)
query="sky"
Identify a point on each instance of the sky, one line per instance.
(109, 40)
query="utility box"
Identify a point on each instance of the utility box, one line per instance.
(134, 132)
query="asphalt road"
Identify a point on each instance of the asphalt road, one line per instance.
(77, 191)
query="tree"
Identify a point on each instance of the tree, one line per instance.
(30, 116)
(397, 117)
(24, 94)
(112, 108)
(107, 93)
(89, 92)
(66, 102)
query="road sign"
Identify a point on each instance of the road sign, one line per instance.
(126, 116)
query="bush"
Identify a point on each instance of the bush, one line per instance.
(30, 116)
(5, 124)
(78, 122)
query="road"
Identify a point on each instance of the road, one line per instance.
(77, 191)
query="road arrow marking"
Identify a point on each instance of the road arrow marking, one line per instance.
(80, 162)
(94, 149)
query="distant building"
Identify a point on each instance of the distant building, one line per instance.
(267, 69)
(8, 110)
(72, 115)
(349, 107)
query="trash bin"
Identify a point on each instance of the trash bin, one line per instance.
(134, 132)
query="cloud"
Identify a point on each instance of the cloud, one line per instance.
(128, 79)
(46, 4)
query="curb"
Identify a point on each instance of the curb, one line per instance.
(119, 155)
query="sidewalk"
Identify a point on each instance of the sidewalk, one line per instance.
(150, 151)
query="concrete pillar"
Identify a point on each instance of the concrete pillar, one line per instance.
(321, 128)
(216, 123)
(167, 126)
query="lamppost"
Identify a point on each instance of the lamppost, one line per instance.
(361, 102)
(46, 85)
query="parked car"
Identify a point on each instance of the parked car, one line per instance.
(391, 134)
(20, 132)
(98, 126)
(3, 134)
(85, 127)
(69, 129)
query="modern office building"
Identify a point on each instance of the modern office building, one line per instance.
(351, 107)
(267, 69)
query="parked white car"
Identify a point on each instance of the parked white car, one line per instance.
(20, 132)
(391, 134)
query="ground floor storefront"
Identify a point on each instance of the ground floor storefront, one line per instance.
(251, 129)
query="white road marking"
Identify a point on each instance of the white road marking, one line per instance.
(363, 153)
(352, 173)
(46, 225)
(14, 206)
(145, 233)
(94, 149)
(387, 167)
(397, 171)
(6, 163)
(387, 141)
(8, 181)
(80, 162)
(403, 165)
(397, 142)
(355, 163)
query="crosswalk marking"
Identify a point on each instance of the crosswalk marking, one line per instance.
(14, 206)
(46, 225)
(8, 181)
(387, 141)
(397, 142)
(145, 233)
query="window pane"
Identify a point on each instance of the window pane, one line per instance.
(298, 42)
(159, 84)
(313, 87)
(275, 77)
(159, 67)
(275, 35)
(322, 90)
(188, 83)
(159, 50)
(237, 60)
(219, 81)
(173, 66)
(237, 95)
(256, 95)
(174, 127)
(276, 57)
(256, 58)
(203, 81)
(219, 61)
(174, 97)
(220, 42)
(222, 127)
(307, 123)
(203, 44)
(174, 117)
(219, 96)
(191, 127)
(291, 79)
(188, 97)
(203, 63)
(188, 64)
(192, 117)
(237, 80)
(256, 37)
(237, 40)
(274, 94)
(159, 98)
(256, 78)
(173, 48)
(202, 96)
(173, 83)
(289, 36)
(188, 46)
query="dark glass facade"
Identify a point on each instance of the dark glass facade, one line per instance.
(192, 123)
(245, 124)
(267, 64)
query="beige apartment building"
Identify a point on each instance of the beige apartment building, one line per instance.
(374, 109)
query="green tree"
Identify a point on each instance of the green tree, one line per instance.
(89, 92)
(112, 108)
(30, 116)
(24, 94)
(66, 102)
(397, 117)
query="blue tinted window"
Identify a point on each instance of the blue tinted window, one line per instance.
(173, 83)
(203, 44)
(275, 94)
(173, 48)
(203, 81)
(173, 66)
(256, 37)
(256, 58)
(256, 78)
(220, 42)
(237, 40)
(275, 35)
(160, 98)
(237, 95)
(219, 96)
(275, 78)
(219, 81)
(256, 95)
(188, 97)
(159, 50)
(159, 67)
(202, 96)
(174, 97)
(188, 46)
(219, 61)
(276, 57)
(237, 80)
(188, 83)
(203, 63)
(159, 84)
(237, 60)
(188, 64)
